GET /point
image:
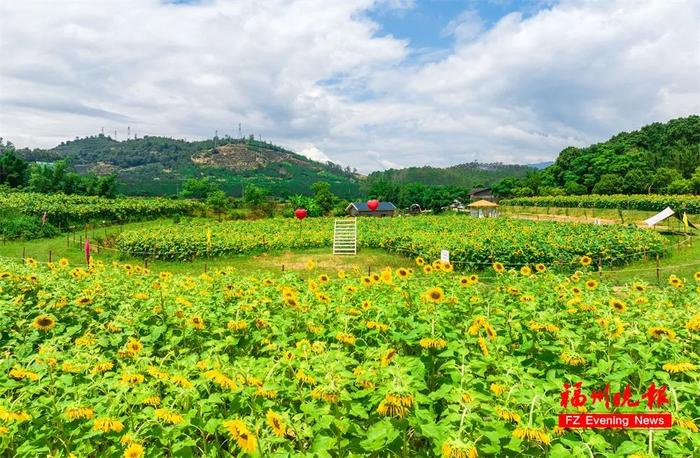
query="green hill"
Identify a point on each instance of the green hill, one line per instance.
(469, 175)
(660, 157)
(158, 165)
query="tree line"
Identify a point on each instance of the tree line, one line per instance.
(16, 173)
(661, 158)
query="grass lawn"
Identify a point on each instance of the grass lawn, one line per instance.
(682, 260)
(687, 256)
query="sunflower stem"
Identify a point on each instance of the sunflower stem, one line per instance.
(532, 410)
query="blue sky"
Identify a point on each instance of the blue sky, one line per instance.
(372, 84)
(424, 22)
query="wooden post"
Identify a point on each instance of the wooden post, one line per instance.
(658, 273)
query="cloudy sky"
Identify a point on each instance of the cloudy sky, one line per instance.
(366, 83)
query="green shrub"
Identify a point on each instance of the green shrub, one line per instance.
(22, 227)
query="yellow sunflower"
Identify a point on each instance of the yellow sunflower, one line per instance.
(44, 323)
(435, 295)
(276, 423)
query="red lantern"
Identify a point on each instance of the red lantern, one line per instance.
(373, 204)
(300, 213)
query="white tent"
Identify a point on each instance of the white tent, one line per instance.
(665, 214)
(662, 215)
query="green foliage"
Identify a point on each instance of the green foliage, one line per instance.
(13, 170)
(610, 183)
(56, 178)
(217, 201)
(323, 196)
(24, 227)
(198, 188)
(469, 175)
(63, 210)
(405, 195)
(647, 202)
(647, 160)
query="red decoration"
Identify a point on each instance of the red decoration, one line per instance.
(87, 250)
(373, 204)
(300, 213)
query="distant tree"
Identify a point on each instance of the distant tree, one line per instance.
(552, 191)
(695, 181)
(198, 188)
(636, 181)
(13, 169)
(663, 177)
(679, 187)
(308, 203)
(523, 191)
(323, 196)
(217, 201)
(255, 196)
(575, 189)
(610, 183)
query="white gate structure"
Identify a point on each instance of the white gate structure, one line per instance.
(345, 236)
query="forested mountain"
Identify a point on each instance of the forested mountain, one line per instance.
(659, 157)
(469, 175)
(159, 165)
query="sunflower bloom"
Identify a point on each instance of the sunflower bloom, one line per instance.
(458, 449)
(682, 367)
(43, 323)
(240, 433)
(658, 332)
(276, 423)
(435, 295)
(134, 450)
(686, 423)
(168, 416)
(77, 413)
(387, 357)
(108, 424)
(532, 434)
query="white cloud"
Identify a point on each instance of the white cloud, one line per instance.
(314, 75)
(315, 154)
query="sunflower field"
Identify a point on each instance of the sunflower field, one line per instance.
(62, 210)
(116, 360)
(645, 202)
(472, 242)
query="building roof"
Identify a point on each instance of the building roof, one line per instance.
(482, 203)
(383, 206)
